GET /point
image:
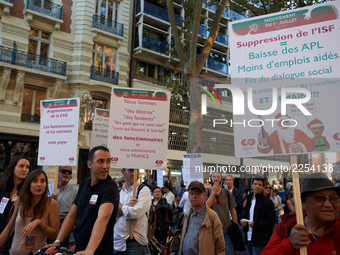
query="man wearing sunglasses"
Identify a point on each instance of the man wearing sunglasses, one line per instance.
(321, 229)
(66, 193)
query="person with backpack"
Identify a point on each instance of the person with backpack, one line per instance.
(223, 203)
(163, 214)
(136, 209)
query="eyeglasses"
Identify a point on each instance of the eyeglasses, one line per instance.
(322, 199)
(268, 187)
(65, 171)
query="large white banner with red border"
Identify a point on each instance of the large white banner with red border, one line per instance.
(138, 131)
(100, 127)
(58, 138)
(296, 49)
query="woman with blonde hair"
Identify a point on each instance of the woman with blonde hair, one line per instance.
(36, 216)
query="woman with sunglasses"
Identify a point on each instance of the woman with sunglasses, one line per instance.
(36, 216)
(267, 190)
(320, 232)
(11, 182)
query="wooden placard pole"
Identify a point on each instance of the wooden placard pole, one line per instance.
(297, 196)
(56, 173)
(134, 195)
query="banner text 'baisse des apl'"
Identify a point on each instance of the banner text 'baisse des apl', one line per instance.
(287, 66)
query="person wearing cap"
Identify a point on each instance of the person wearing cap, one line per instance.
(320, 142)
(202, 231)
(285, 139)
(320, 231)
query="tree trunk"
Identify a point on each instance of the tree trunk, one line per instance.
(196, 118)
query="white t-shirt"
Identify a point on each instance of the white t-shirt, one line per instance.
(185, 203)
(251, 217)
(170, 198)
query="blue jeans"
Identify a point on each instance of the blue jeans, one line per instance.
(132, 248)
(253, 249)
(229, 247)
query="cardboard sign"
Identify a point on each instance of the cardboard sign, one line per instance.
(275, 59)
(58, 132)
(138, 132)
(100, 128)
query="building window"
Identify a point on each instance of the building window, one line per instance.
(173, 75)
(146, 69)
(104, 57)
(39, 42)
(108, 9)
(90, 111)
(31, 104)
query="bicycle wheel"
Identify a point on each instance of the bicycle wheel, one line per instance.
(174, 245)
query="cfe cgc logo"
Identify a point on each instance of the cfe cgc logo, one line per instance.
(42, 159)
(159, 162)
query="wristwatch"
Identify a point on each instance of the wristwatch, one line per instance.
(57, 241)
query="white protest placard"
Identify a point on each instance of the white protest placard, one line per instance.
(279, 58)
(58, 132)
(138, 132)
(100, 128)
(160, 178)
(191, 170)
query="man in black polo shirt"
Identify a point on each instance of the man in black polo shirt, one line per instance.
(95, 208)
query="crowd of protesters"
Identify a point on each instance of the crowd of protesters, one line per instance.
(214, 215)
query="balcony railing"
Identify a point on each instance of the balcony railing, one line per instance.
(236, 16)
(158, 12)
(88, 126)
(46, 7)
(222, 39)
(102, 74)
(217, 66)
(108, 25)
(155, 45)
(202, 30)
(26, 59)
(30, 118)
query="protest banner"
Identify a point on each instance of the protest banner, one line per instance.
(138, 128)
(192, 168)
(100, 127)
(287, 66)
(278, 58)
(58, 132)
(160, 178)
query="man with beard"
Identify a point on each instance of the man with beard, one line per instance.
(285, 140)
(94, 209)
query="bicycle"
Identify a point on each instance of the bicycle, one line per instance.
(171, 246)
